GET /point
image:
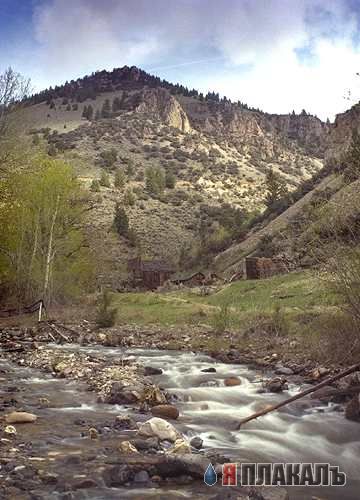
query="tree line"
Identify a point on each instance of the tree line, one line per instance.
(43, 249)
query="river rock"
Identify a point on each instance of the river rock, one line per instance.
(150, 370)
(127, 448)
(124, 422)
(20, 417)
(10, 429)
(117, 475)
(232, 381)
(120, 394)
(181, 447)
(146, 444)
(352, 409)
(157, 427)
(209, 370)
(284, 370)
(141, 477)
(85, 484)
(277, 384)
(196, 442)
(319, 372)
(165, 411)
(154, 396)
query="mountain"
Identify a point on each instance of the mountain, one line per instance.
(218, 151)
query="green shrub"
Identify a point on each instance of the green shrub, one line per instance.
(170, 180)
(221, 319)
(120, 178)
(104, 180)
(95, 186)
(129, 198)
(106, 315)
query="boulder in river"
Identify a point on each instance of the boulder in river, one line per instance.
(232, 381)
(196, 442)
(352, 409)
(150, 370)
(277, 384)
(157, 427)
(209, 370)
(20, 417)
(120, 394)
(165, 411)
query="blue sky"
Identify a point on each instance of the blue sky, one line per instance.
(278, 55)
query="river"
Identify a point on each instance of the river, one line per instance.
(304, 431)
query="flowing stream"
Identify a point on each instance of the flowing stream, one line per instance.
(304, 431)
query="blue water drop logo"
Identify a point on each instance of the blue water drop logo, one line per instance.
(210, 476)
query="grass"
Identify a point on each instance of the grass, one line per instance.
(297, 294)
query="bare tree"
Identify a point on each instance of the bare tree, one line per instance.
(13, 89)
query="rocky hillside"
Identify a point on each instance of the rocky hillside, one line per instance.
(218, 151)
(340, 133)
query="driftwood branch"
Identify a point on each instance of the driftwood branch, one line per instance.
(58, 332)
(340, 375)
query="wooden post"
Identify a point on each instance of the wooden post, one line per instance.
(40, 311)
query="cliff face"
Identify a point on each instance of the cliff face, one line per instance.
(162, 105)
(340, 133)
(307, 130)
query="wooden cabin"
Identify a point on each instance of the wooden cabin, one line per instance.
(150, 274)
(262, 267)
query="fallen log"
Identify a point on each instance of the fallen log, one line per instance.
(328, 381)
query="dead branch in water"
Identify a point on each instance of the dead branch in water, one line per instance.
(260, 413)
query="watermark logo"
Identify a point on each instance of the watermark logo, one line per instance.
(278, 474)
(210, 476)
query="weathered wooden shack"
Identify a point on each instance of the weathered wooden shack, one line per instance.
(149, 274)
(197, 278)
(263, 267)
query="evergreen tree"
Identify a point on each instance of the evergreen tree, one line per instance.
(104, 180)
(90, 112)
(106, 110)
(97, 115)
(108, 157)
(120, 178)
(275, 187)
(116, 105)
(95, 186)
(170, 180)
(130, 170)
(155, 181)
(121, 220)
(129, 198)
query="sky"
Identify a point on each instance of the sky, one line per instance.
(277, 55)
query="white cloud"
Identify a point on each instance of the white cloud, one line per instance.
(76, 37)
